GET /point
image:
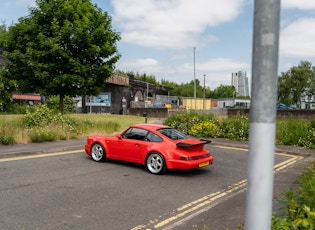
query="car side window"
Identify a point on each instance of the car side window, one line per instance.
(135, 134)
(153, 137)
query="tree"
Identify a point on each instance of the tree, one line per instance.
(224, 91)
(64, 47)
(296, 83)
(6, 85)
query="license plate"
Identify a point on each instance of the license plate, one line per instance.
(203, 164)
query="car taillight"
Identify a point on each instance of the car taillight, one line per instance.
(185, 158)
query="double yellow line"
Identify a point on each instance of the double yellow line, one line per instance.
(187, 211)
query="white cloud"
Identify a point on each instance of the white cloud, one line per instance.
(299, 4)
(297, 39)
(171, 23)
(145, 65)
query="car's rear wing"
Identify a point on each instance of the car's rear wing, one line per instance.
(187, 145)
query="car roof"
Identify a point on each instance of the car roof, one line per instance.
(151, 127)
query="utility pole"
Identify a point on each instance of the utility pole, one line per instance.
(204, 91)
(195, 77)
(263, 113)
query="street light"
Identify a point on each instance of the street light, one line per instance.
(195, 77)
(204, 91)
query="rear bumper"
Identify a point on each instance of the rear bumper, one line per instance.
(186, 165)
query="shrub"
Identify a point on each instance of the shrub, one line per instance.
(53, 104)
(299, 204)
(18, 109)
(292, 132)
(185, 121)
(41, 116)
(235, 128)
(46, 124)
(204, 129)
(7, 136)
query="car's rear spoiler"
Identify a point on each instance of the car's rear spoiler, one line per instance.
(186, 145)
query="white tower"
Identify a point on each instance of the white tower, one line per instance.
(240, 82)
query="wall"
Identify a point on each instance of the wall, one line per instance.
(281, 113)
(150, 112)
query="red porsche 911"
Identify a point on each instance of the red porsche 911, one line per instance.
(158, 147)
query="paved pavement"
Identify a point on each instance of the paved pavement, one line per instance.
(230, 212)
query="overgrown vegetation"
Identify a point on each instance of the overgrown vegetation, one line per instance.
(45, 124)
(42, 123)
(299, 204)
(291, 132)
(207, 125)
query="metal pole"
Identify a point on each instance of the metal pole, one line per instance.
(204, 91)
(263, 114)
(195, 76)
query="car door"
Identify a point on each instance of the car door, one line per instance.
(132, 145)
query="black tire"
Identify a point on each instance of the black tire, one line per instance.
(155, 163)
(98, 152)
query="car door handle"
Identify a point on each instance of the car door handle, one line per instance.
(137, 145)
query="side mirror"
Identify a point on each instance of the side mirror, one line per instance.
(118, 136)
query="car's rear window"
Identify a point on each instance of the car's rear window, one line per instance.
(172, 133)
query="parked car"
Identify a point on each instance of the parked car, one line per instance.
(283, 106)
(158, 147)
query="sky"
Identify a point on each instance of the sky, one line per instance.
(180, 40)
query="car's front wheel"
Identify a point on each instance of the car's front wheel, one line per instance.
(98, 152)
(155, 163)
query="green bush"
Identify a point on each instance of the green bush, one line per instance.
(184, 122)
(292, 132)
(68, 103)
(299, 204)
(18, 109)
(206, 125)
(235, 128)
(204, 129)
(7, 136)
(48, 125)
(41, 116)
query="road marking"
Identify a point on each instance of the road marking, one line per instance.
(228, 147)
(186, 212)
(39, 156)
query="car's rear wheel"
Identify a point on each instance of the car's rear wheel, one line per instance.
(155, 163)
(98, 152)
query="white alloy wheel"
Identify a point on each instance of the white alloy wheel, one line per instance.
(98, 152)
(155, 163)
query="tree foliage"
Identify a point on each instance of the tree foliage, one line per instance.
(64, 47)
(69, 104)
(188, 89)
(297, 82)
(7, 85)
(224, 91)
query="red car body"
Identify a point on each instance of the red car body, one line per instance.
(159, 147)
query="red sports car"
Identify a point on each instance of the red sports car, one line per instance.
(158, 147)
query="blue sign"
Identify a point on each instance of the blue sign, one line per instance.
(104, 99)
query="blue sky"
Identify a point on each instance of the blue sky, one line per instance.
(159, 36)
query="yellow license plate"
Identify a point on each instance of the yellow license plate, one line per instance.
(203, 164)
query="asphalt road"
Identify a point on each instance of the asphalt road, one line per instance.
(67, 190)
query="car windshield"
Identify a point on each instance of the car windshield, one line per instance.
(172, 134)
